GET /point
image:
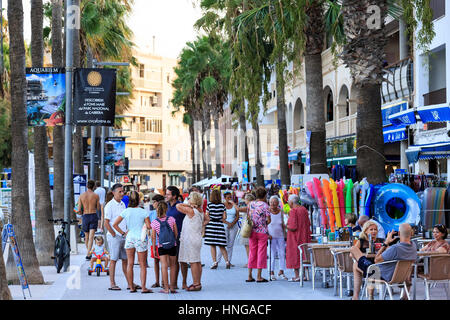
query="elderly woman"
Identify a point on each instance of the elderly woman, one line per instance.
(277, 236)
(369, 230)
(299, 232)
(439, 244)
(244, 241)
(260, 216)
(191, 238)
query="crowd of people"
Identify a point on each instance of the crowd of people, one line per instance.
(175, 226)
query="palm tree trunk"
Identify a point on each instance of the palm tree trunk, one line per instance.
(282, 131)
(5, 294)
(244, 141)
(370, 161)
(19, 159)
(192, 136)
(217, 143)
(199, 157)
(315, 117)
(258, 163)
(58, 131)
(45, 234)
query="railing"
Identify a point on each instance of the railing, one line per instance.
(399, 82)
(435, 97)
(145, 163)
(300, 138)
(329, 127)
(147, 83)
(347, 125)
(155, 138)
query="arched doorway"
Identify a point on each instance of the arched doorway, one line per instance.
(343, 109)
(299, 116)
(329, 104)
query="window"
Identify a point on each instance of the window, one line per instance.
(153, 125)
(141, 70)
(330, 106)
(143, 153)
(438, 8)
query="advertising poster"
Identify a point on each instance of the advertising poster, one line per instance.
(245, 172)
(122, 170)
(308, 158)
(46, 96)
(115, 151)
(17, 258)
(94, 97)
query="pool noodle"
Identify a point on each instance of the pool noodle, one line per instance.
(330, 208)
(348, 196)
(368, 200)
(310, 187)
(341, 192)
(362, 196)
(317, 185)
(355, 191)
(337, 209)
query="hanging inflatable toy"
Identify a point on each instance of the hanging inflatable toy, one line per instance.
(310, 189)
(395, 204)
(362, 196)
(368, 201)
(329, 199)
(318, 192)
(348, 195)
(340, 192)
(337, 209)
(433, 210)
(355, 192)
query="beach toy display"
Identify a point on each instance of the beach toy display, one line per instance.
(341, 192)
(348, 195)
(329, 200)
(395, 204)
(337, 209)
(433, 209)
(317, 185)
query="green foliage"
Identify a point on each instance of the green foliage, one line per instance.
(5, 134)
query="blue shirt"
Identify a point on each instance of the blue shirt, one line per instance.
(135, 221)
(399, 251)
(152, 216)
(125, 200)
(173, 212)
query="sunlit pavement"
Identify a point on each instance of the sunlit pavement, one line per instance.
(220, 284)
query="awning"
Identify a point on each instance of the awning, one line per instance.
(431, 151)
(293, 155)
(394, 133)
(412, 154)
(434, 113)
(390, 109)
(406, 117)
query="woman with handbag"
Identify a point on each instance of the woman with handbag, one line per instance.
(259, 214)
(246, 228)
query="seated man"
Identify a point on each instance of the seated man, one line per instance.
(403, 250)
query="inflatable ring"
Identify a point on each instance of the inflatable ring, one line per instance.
(395, 204)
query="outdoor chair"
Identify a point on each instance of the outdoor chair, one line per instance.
(304, 263)
(321, 260)
(438, 272)
(401, 276)
(345, 268)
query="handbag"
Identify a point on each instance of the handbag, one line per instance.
(247, 228)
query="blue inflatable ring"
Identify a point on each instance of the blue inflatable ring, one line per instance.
(392, 197)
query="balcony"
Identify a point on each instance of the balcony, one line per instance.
(145, 137)
(153, 84)
(435, 97)
(300, 139)
(399, 82)
(143, 164)
(438, 7)
(347, 125)
(329, 127)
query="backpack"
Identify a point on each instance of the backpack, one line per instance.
(166, 235)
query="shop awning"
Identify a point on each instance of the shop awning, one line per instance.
(412, 154)
(392, 108)
(394, 133)
(406, 118)
(293, 155)
(434, 113)
(431, 151)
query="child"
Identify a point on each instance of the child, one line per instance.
(99, 249)
(168, 257)
(153, 215)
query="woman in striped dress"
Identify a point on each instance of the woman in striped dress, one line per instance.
(215, 235)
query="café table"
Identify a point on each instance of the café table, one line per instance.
(421, 255)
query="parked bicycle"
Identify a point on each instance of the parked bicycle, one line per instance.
(62, 244)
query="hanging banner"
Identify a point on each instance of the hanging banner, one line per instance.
(308, 151)
(122, 170)
(15, 249)
(245, 171)
(87, 150)
(94, 97)
(114, 151)
(46, 96)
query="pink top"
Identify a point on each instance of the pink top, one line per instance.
(155, 225)
(259, 213)
(434, 245)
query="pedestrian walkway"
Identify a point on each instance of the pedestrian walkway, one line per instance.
(219, 284)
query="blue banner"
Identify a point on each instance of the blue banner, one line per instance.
(391, 109)
(308, 151)
(245, 171)
(394, 134)
(435, 113)
(17, 258)
(406, 117)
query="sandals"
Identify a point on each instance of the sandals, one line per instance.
(147, 291)
(283, 276)
(250, 280)
(194, 287)
(273, 278)
(114, 288)
(228, 265)
(155, 285)
(138, 287)
(294, 280)
(262, 280)
(214, 265)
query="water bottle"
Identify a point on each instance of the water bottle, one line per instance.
(369, 250)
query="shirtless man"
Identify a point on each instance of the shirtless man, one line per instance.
(89, 202)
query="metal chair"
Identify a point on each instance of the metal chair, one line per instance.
(303, 248)
(321, 259)
(345, 268)
(438, 272)
(402, 274)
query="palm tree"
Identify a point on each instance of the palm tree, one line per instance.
(58, 131)
(45, 234)
(19, 193)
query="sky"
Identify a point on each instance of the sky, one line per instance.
(170, 21)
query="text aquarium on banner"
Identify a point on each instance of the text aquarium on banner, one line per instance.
(94, 97)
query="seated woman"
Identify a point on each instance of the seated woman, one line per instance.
(369, 228)
(439, 244)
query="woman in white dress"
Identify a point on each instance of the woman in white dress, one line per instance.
(191, 238)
